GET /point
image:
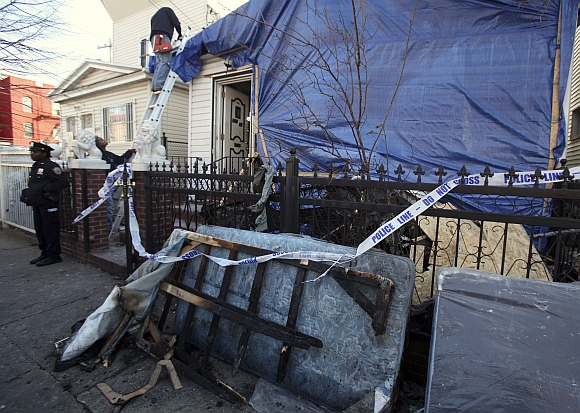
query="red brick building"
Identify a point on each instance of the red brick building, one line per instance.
(26, 114)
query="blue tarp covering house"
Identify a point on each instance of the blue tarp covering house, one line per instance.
(444, 82)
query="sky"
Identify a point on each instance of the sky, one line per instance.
(90, 29)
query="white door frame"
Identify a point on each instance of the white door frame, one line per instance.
(218, 111)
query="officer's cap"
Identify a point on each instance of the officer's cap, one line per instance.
(37, 146)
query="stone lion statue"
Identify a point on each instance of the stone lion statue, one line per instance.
(84, 145)
(148, 144)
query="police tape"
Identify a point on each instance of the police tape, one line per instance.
(115, 176)
(523, 178)
(416, 209)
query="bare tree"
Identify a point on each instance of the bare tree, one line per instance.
(331, 51)
(25, 25)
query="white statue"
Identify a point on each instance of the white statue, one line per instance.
(147, 143)
(84, 145)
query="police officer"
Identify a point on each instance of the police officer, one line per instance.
(46, 181)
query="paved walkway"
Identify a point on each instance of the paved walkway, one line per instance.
(38, 306)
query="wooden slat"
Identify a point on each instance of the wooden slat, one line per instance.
(188, 322)
(240, 316)
(291, 322)
(223, 294)
(252, 308)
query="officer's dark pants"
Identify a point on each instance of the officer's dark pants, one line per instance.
(47, 227)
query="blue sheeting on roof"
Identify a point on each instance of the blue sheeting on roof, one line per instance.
(473, 85)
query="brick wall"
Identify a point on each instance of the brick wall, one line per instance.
(92, 234)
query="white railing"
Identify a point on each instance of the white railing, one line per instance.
(15, 166)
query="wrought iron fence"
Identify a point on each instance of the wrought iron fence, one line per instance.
(176, 151)
(526, 232)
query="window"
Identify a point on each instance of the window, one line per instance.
(86, 120)
(28, 131)
(55, 109)
(27, 104)
(575, 132)
(144, 52)
(118, 122)
(71, 124)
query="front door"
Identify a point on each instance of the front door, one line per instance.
(234, 142)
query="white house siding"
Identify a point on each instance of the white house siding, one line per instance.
(129, 31)
(121, 9)
(573, 150)
(136, 93)
(201, 108)
(95, 77)
(174, 119)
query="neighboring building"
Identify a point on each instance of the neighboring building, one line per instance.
(573, 141)
(26, 114)
(108, 99)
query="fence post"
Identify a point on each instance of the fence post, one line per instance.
(149, 214)
(290, 205)
(85, 205)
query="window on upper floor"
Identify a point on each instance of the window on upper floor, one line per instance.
(26, 104)
(118, 122)
(144, 51)
(28, 131)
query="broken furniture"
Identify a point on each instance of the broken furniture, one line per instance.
(334, 340)
(501, 344)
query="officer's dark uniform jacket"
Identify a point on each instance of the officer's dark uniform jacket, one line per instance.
(46, 178)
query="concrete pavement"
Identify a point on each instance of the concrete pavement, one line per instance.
(38, 306)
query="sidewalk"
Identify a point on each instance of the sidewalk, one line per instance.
(37, 308)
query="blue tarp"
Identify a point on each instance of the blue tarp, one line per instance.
(472, 85)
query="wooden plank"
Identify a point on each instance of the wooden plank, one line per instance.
(252, 308)
(188, 323)
(242, 317)
(291, 322)
(223, 294)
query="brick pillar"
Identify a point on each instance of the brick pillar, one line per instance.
(93, 234)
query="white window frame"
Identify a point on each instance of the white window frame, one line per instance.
(26, 108)
(31, 128)
(75, 127)
(109, 131)
(82, 118)
(575, 124)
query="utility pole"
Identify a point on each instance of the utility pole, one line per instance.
(110, 49)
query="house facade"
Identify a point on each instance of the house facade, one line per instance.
(573, 141)
(109, 98)
(26, 113)
(473, 106)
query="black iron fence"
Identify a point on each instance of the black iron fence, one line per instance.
(529, 232)
(176, 150)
